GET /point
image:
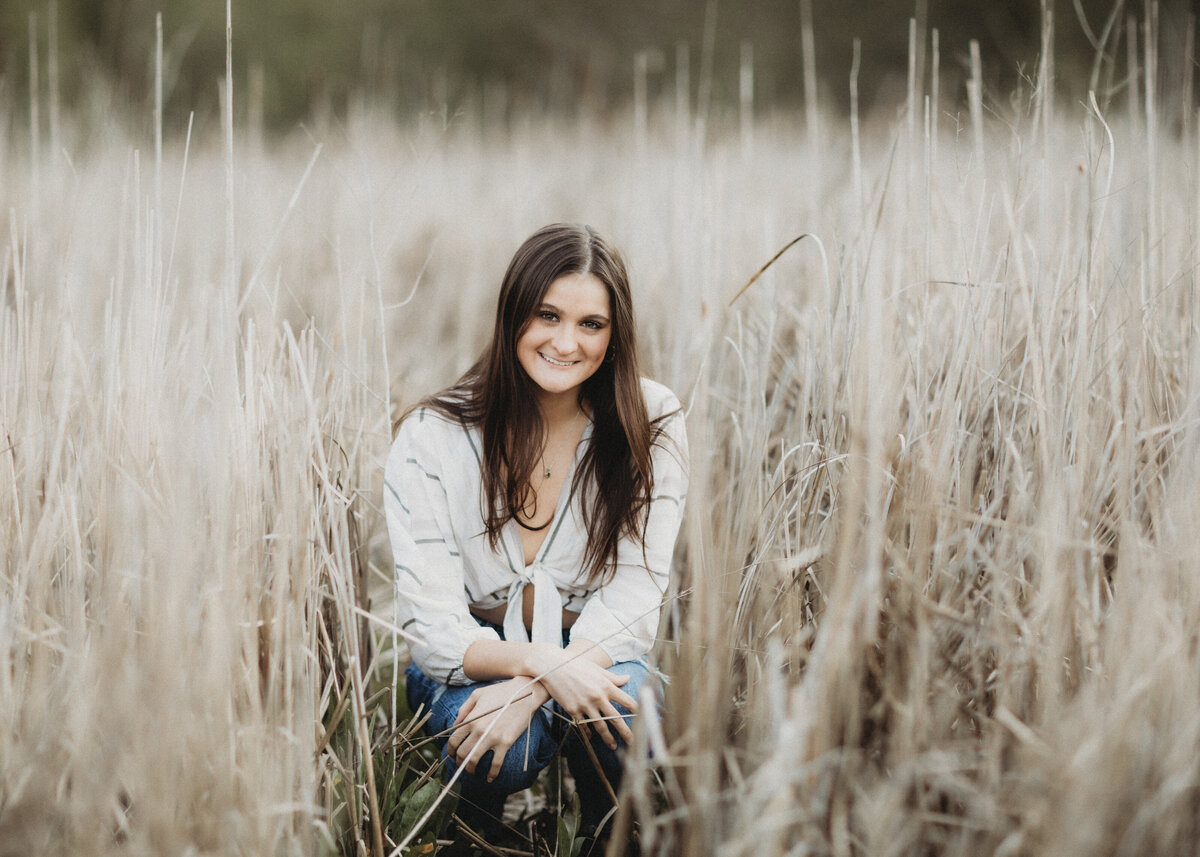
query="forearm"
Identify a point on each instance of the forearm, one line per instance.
(490, 660)
(496, 660)
(493, 660)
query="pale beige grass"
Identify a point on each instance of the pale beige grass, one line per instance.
(937, 584)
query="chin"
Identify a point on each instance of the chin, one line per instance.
(558, 389)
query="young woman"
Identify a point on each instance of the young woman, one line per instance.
(533, 508)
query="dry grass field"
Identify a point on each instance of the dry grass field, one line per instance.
(937, 588)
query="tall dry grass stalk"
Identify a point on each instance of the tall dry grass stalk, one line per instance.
(937, 590)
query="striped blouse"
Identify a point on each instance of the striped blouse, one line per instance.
(433, 499)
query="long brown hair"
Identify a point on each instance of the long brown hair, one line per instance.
(499, 397)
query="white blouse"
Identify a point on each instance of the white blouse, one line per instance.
(433, 499)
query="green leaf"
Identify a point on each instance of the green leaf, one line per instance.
(424, 845)
(390, 801)
(568, 826)
(417, 805)
(440, 820)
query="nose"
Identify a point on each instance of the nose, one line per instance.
(564, 340)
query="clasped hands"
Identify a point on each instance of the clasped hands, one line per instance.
(495, 715)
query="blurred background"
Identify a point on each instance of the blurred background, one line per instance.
(499, 58)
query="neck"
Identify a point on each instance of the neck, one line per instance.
(559, 410)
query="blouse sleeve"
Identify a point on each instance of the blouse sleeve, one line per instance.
(622, 616)
(431, 603)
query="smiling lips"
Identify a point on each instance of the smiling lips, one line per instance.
(558, 363)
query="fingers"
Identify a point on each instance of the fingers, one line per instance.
(601, 727)
(625, 699)
(461, 734)
(472, 747)
(607, 718)
(470, 752)
(459, 744)
(476, 732)
(462, 753)
(630, 704)
(465, 711)
(465, 735)
(498, 754)
(593, 702)
(622, 728)
(604, 721)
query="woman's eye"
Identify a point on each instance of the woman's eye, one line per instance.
(592, 325)
(547, 316)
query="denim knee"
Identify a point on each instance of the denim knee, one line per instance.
(420, 690)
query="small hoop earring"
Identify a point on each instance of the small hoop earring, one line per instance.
(611, 355)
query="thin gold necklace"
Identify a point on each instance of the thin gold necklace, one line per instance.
(546, 473)
(545, 466)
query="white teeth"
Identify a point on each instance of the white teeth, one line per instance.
(552, 361)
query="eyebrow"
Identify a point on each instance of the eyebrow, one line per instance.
(592, 317)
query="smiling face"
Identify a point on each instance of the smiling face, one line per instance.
(567, 337)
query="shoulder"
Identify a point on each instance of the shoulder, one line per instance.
(426, 430)
(668, 428)
(424, 421)
(660, 401)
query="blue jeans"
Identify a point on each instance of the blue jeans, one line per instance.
(482, 803)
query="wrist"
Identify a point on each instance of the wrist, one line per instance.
(594, 652)
(541, 658)
(538, 695)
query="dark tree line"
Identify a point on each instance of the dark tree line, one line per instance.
(548, 54)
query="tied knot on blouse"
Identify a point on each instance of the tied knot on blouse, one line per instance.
(547, 607)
